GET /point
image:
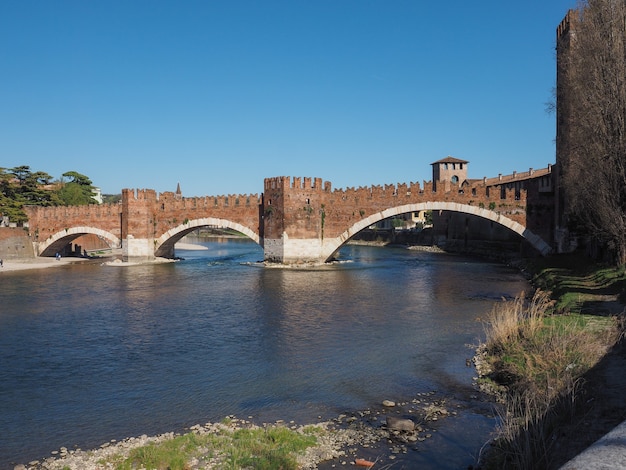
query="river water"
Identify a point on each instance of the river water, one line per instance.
(90, 353)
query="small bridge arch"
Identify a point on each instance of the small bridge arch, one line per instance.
(58, 241)
(331, 246)
(164, 245)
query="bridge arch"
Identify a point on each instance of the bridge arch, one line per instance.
(332, 245)
(57, 242)
(164, 245)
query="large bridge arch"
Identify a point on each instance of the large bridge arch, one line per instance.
(330, 246)
(57, 242)
(164, 245)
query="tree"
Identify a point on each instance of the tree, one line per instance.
(21, 173)
(76, 192)
(591, 94)
(111, 198)
(33, 189)
(20, 186)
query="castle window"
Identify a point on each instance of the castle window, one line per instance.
(445, 166)
(454, 179)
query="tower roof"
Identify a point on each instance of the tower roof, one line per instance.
(450, 159)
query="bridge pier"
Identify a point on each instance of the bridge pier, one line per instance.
(293, 251)
(137, 249)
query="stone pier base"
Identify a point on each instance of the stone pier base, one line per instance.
(137, 249)
(293, 251)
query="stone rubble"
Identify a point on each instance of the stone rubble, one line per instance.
(392, 430)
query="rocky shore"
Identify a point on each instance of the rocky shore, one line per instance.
(384, 435)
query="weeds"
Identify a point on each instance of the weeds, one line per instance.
(253, 447)
(539, 357)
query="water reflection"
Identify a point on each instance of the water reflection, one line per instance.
(90, 353)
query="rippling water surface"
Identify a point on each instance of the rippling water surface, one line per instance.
(90, 353)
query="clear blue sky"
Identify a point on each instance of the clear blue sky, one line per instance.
(218, 95)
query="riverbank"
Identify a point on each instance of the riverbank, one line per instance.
(559, 366)
(380, 437)
(113, 258)
(37, 263)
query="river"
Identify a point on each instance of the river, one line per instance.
(90, 353)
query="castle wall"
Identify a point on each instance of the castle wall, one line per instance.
(147, 216)
(295, 218)
(352, 205)
(309, 211)
(15, 243)
(46, 222)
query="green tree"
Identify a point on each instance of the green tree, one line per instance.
(428, 218)
(33, 189)
(19, 186)
(21, 173)
(78, 191)
(111, 198)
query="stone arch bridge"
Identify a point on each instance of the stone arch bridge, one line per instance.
(295, 219)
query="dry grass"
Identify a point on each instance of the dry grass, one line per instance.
(539, 358)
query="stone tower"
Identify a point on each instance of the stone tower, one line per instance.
(293, 219)
(449, 169)
(565, 33)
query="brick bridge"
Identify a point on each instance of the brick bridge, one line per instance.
(299, 219)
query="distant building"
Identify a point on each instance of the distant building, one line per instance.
(97, 195)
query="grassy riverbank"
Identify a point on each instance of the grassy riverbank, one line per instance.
(538, 351)
(230, 444)
(360, 438)
(224, 447)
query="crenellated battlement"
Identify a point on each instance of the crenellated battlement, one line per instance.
(168, 197)
(295, 218)
(45, 223)
(298, 183)
(564, 27)
(62, 212)
(139, 194)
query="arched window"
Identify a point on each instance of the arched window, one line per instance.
(454, 179)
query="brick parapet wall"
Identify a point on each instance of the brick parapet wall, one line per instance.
(45, 222)
(315, 211)
(302, 208)
(148, 215)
